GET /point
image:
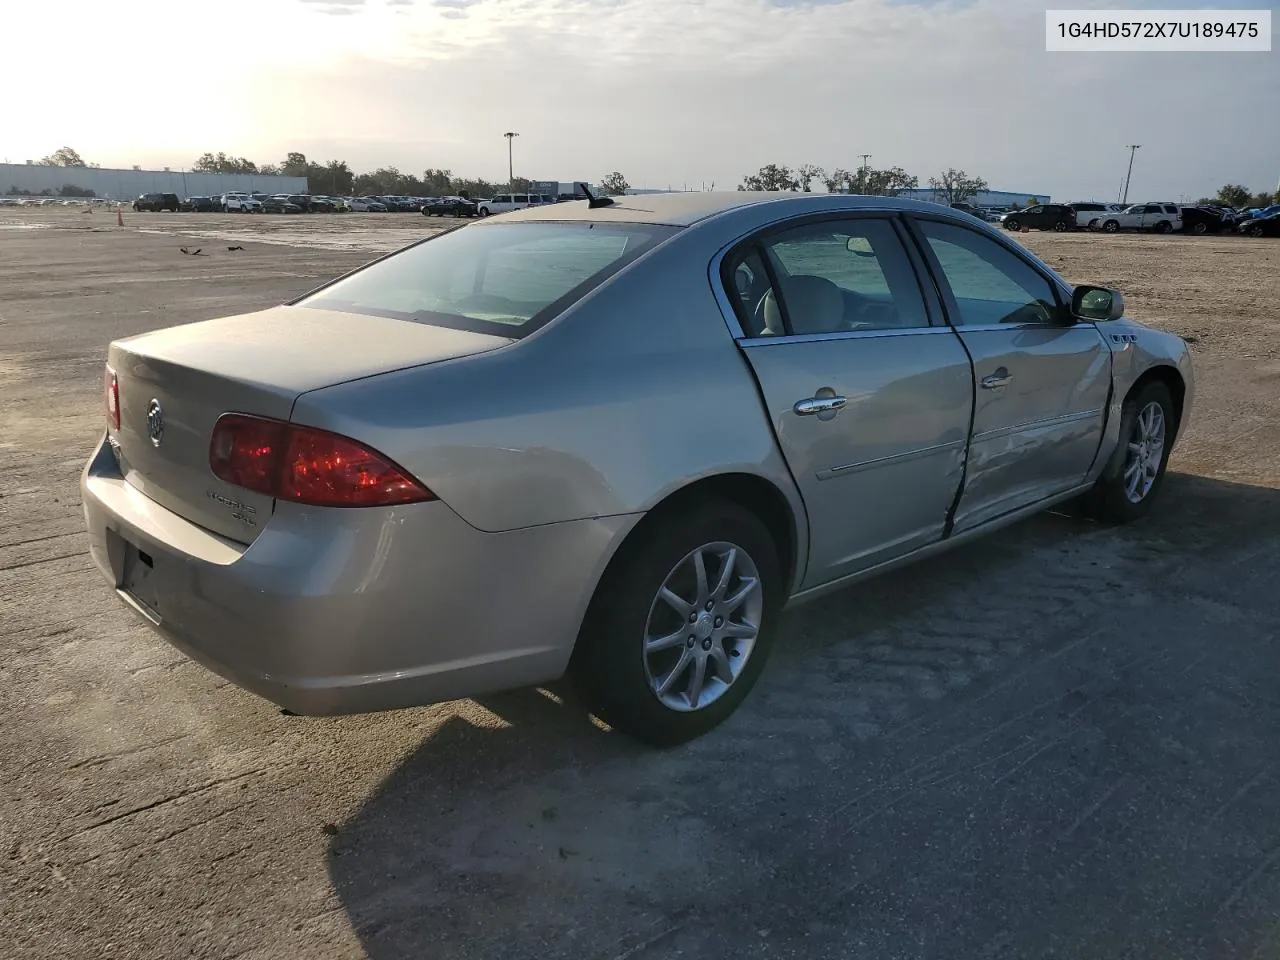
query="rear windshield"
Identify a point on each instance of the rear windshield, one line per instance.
(500, 278)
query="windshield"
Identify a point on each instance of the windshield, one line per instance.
(505, 279)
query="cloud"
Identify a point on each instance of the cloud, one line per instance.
(693, 91)
(335, 7)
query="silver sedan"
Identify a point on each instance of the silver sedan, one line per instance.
(608, 439)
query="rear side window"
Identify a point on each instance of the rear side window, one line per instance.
(505, 279)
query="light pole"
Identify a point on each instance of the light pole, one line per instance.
(1133, 148)
(511, 174)
(865, 157)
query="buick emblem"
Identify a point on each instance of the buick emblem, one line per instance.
(155, 423)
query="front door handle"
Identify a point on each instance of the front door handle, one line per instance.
(816, 405)
(1001, 378)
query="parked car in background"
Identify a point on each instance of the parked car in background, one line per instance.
(155, 202)
(1087, 211)
(1203, 219)
(198, 205)
(308, 203)
(968, 208)
(1268, 226)
(1041, 216)
(278, 505)
(506, 202)
(1161, 217)
(449, 207)
(241, 203)
(367, 205)
(280, 205)
(1254, 212)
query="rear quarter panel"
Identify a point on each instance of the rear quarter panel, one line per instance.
(635, 392)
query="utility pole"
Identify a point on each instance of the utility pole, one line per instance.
(1133, 148)
(865, 157)
(511, 170)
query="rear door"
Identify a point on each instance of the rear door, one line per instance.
(869, 399)
(1041, 380)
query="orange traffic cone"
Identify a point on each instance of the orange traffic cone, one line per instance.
(119, 217)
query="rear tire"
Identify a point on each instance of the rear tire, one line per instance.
(1116, 497)
(1060, 226)
(1164, 226)
(1111, 226)
(621, 680)
(1200, 228)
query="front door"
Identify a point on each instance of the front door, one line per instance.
(869, 401)
(1041, 381)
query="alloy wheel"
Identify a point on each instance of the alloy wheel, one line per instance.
(702, 626)
(1145, 453)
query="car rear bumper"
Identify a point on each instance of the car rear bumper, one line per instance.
(349, 611)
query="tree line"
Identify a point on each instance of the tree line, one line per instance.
(952, 186)
(337, 178)
(1240, 197)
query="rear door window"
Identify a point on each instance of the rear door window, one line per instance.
(835, 276)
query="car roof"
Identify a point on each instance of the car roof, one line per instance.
(686, 209)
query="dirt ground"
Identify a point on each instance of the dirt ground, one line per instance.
(1063, 741)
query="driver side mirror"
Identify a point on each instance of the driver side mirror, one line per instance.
(859, 246)
(1096, 303)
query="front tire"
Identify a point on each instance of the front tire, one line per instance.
(1256, 230)
(681, 624)
(1133, 477)
(1012, 225)
(1111, 226)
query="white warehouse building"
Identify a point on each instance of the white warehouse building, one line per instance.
(35, 179)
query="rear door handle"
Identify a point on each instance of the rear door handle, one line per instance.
(815, 405)
(1000, 378)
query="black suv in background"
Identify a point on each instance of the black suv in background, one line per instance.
(449, 207)
(198, 205)
(1043, 216)
(155, 202)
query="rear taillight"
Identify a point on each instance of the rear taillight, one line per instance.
(111, 391)
(305, 465)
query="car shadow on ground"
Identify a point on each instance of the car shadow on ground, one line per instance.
(1062, 739)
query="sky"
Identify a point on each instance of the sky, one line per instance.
(672, 93)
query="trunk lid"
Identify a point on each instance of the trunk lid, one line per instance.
(175, 383)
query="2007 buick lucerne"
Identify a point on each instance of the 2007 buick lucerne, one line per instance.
(608, 439)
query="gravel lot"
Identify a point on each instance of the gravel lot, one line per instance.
(1064, 741)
